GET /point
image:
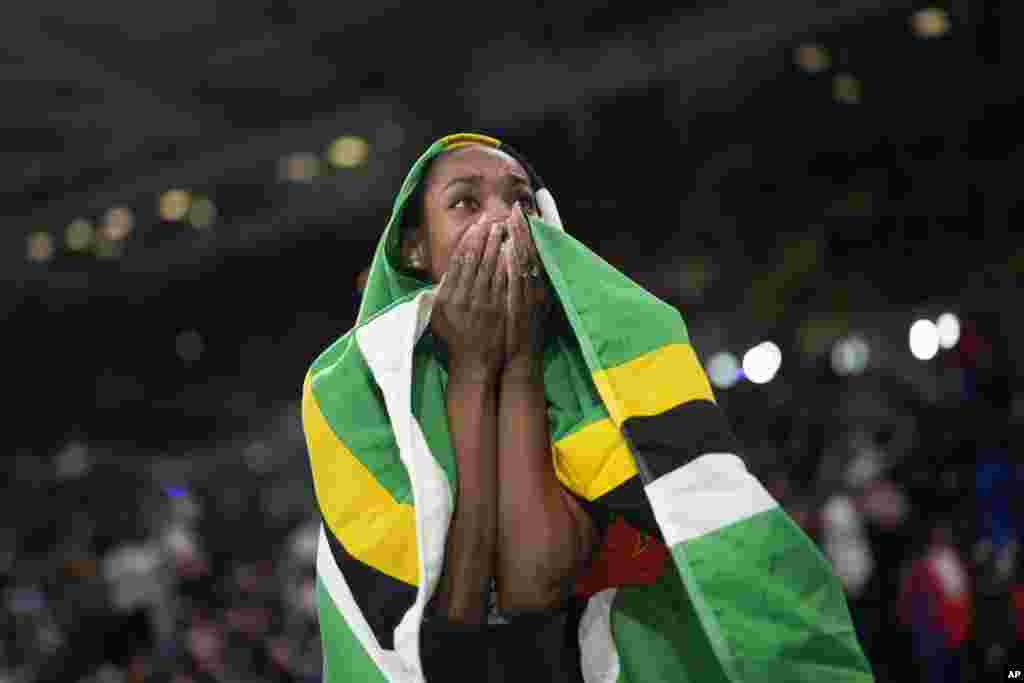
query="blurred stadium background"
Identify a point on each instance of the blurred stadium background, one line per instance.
(193, 191)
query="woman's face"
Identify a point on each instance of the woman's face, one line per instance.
(463, 186)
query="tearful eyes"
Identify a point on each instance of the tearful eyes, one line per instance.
(526, 200)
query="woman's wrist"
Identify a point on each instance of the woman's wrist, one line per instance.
(525, 367)
(473, 370)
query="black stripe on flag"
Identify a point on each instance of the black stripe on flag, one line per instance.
(382, 599)
(662, 443)
(628, 500)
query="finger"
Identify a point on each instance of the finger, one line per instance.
(531, 258)
(515, 287)
(468, 254)
(448, 279)
(511, 243)
(485, 273)
(499, 283)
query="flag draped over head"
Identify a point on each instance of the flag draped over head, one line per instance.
(703, 577)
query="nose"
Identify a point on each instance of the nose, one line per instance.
(501, 214)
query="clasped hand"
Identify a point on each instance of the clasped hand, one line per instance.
(488, 310)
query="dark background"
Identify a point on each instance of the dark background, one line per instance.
(685, 144)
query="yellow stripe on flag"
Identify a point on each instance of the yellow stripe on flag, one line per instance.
(594, 460)
(653, 383)
(374, 528)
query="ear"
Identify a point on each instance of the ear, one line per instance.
(413, 249)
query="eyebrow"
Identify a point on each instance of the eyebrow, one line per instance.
(475, 180)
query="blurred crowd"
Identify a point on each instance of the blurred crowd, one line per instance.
(195, 570)
(927, 551)
(911, 493)
(201, 567)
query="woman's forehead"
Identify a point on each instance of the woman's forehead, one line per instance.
(474, 160)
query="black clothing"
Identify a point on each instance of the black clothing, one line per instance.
(540, 647)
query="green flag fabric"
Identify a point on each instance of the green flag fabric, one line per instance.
(743, 596)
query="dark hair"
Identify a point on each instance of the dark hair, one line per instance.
(414, 211)
(414, 216)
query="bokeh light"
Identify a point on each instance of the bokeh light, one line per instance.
(846, 89)
(39, 247)
(930, 22)
(924, 340)
(202, 213)
(850, 355)
(948, 327)
(348, 151)
(79, 234)
(174, 204)
(723, 369)
(117, 223)
(812, 58)
(762, 363)
(301, 167)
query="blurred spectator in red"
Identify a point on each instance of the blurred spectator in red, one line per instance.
(936, 605)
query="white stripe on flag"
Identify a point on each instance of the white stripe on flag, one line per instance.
(548, 208)
(327, 570)
(708, 493)
(387, 344)
(600, 657)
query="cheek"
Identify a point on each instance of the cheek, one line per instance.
(441, 254)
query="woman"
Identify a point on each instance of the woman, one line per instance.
(507, 402)
(514, 524)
